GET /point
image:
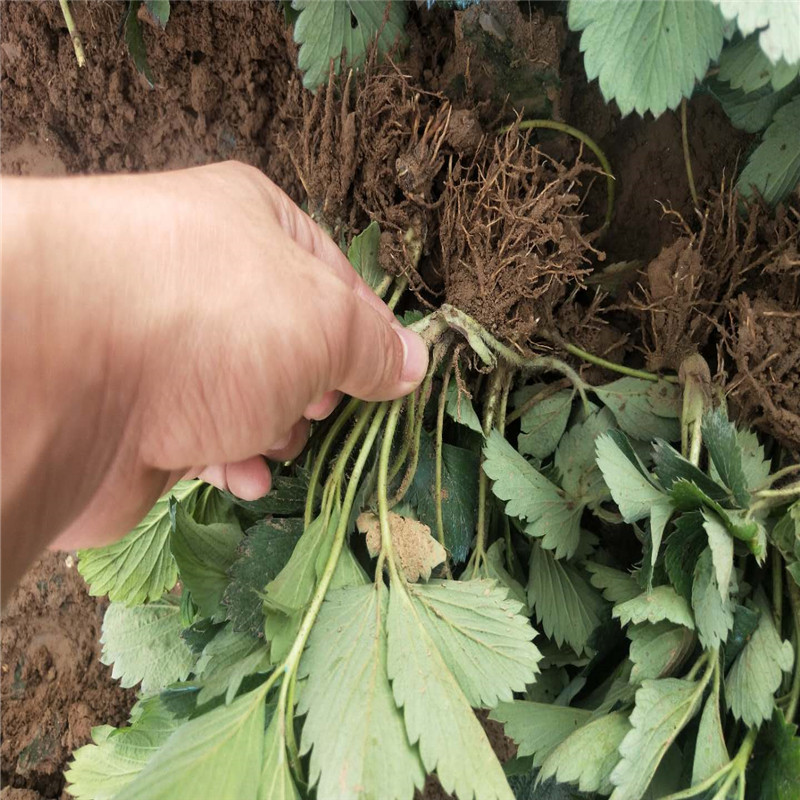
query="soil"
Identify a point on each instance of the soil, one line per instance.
(507, 228)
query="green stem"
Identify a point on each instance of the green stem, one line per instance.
(686, 157)
(738, 765)
(776, 564)
(384, 286)
(408, 437)
(77, 44)
(622, 370)
(399, 289)
(438, 463)
(551, 124)
(794, 692)
(387, 551)
(788, 491)
(781, 473)
(340, 421)
(290, 738)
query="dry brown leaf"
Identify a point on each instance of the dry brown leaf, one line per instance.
(416, 550)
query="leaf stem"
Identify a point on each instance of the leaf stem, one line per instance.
(551, 124)
(399, 289)
(788, 491)
(408, 437)
(610, 365)
(438, 445)
(794, 692)
(687, 160)
(776, 565)
(77, 44)
(781, 473)
(387, 551)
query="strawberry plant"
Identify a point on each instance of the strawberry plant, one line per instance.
(611, 570)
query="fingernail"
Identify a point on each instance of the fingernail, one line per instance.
(415, 356)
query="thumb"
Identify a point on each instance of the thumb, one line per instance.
(372, 357)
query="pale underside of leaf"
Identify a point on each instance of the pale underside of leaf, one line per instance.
(658, 650)
(662, 602)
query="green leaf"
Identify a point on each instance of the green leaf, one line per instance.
(745, 66)
(203, 553)
(359, 742)
(363, 251)
(159, 11)
(542, 425)
(482, 637)
(777, 23)
(277, 782)
(459, 494)
(745, 621)
(552, 515)
(324, 30)
(757, 672)
(662, 602)
(576, 461)
(538, 728)
(670, 466)
(663, 707)
(617, 586)
(436, 713)
(713, 613)
(286, 498)
(568, 608)
(722, 443)
(721, 544)
(632, 491)
(139, 567)
(755, 465)
(643, 409)
(658, 650)
(460, 408)
(660, 49)
(145, 646)
(588, 756)
(776, 761)
(226, 661)
(493, 567)
(215, 755)
(99, 771)
(135, 42)
(773, 169)
(682, 550)
(751, 111)
(710, 752)
(264, 552)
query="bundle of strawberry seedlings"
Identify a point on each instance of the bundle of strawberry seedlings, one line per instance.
(611, 570)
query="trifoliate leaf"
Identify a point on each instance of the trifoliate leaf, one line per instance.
(588, 756)
(324, 30)
(262, 554)
(482, 637)
(203, 553)
(353, 728)
(139, 567)
(286, 498)
(493, 567)
(710, 751)
(745, 621)
(755, 465)
(291, 590)
(215, 755)
(617, 586)
(773, 169)
(776, 21)
(750, 111)
(576, 461)
(643, 409)
(551, 514)
(542, 425)
(145, 646)
(721, 544)
(663, 707)
(713, 613)
(226, 661)
(756, 674)
(682, 550)
(568, 608)
(776, 761)
(363, 251)
(277, 782)
(670, 466)
(658, 650)
(459, 494)
(460, 408)
(100, 770)
(671, 44)
(538, 728)
(747, 67)
(416, 550)
(662, 602)
(436, 713)
(722, 443)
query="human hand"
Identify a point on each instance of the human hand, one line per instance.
(185, 322)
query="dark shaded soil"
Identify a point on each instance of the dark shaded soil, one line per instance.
(53, 687)
(226, 87)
